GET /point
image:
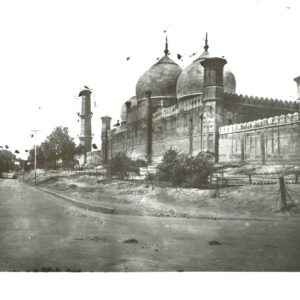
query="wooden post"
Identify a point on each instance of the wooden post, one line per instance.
(282, 192)
(222, 179)
(217, 192)
(296, 178)
(250, 180)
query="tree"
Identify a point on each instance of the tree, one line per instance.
(7, 159)
(59, 145)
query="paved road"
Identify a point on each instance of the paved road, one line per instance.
(39, 231)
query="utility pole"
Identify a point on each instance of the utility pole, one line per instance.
(282, 192)
(34, 131)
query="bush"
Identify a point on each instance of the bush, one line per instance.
(185, 170)
(122, 166)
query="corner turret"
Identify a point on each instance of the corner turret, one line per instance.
(106, 123)
(213, 102)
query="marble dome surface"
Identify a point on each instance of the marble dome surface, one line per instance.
(160, 79)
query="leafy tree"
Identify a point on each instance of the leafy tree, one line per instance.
(57, 146)
(7, 159)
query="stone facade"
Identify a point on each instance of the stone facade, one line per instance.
(269, 140)
(206, 116)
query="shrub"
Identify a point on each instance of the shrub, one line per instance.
(122, 166)
(185, 170)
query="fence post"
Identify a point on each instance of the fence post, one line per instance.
(282, 192)
(217, 192)
(210, 177)
(250, 179)
(296, 178)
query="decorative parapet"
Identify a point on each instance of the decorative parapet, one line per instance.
(263, 102)
(262, 123)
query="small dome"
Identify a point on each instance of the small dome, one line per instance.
(130, 103)
(133, 101)
(229, 81)
(190, 82)
(123, 114)
(160, 79)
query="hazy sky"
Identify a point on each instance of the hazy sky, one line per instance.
(50, 49)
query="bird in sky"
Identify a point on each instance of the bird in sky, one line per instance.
(117, 124)
(17, 151)
(32, 135)
(179, 56)
(6, 147)
(95, 146)
(128, 57)
(26, 150)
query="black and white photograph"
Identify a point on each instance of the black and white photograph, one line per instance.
(150, 138)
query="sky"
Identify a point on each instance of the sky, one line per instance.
(51, 49)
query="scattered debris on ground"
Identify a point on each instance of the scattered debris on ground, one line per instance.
(214, 243)
(131, 241)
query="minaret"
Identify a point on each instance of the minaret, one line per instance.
(85, 117)
(297, 79)
(213, 101)
(104, 138)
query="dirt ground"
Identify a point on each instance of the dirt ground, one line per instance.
(140, 198)
(42, 232)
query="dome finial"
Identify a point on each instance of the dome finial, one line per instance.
(166, 47)
(206, 43)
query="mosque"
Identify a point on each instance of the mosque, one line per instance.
(197, 109)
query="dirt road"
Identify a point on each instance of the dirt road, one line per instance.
(39, 231)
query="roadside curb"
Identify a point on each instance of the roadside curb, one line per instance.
(102, 209)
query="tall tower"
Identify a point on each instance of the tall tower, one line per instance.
(104, 138)
(85, 117)
(297, 79)
(213, 101)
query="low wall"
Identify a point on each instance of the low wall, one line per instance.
(271, 140)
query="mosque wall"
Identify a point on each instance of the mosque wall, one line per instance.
(178, 127)
(270, 140)
(185, 127)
